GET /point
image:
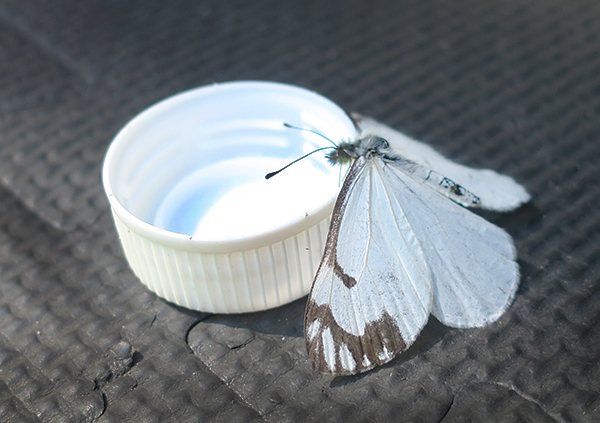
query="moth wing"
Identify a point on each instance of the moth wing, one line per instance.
(372, 293)
(497, 192)
(472, 261)
(438, 182)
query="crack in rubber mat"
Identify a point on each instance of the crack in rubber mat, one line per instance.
(513, 86)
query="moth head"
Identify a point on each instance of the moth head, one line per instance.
(343, 153)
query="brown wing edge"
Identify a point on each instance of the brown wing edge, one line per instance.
(379, 344)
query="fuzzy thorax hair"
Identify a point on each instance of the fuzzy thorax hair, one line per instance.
(347, 151)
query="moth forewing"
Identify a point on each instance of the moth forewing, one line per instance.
(373, 291)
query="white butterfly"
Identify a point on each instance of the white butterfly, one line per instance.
(402, 245)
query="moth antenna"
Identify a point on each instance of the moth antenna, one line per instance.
(270, 175)
(287, 125)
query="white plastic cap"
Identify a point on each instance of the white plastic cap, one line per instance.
(198, 222)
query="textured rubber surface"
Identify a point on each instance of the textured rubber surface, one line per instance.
(511, 85)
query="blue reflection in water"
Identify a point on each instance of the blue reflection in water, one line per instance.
(188, 212)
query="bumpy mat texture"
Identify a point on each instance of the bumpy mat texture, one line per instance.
(510, 85)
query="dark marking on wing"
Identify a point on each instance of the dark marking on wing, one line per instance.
(330, 254)
(380, 342)
(459, 191)
(348, 280)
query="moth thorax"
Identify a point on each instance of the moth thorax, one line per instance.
(345, 152)
(373, 144)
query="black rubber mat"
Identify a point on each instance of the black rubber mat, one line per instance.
(511, 85)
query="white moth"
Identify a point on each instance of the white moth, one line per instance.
(401, 246)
